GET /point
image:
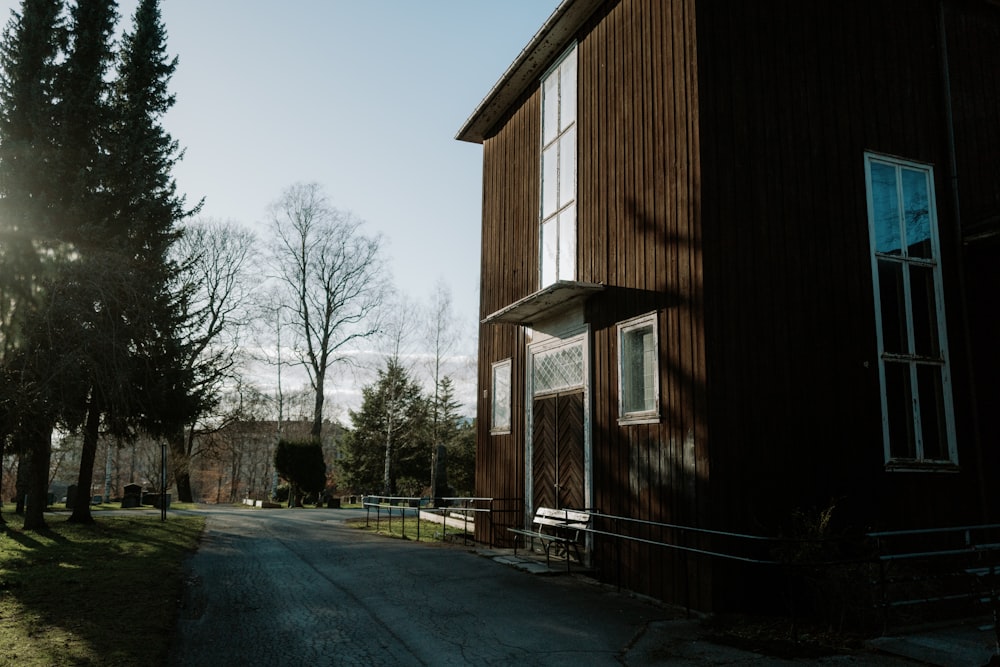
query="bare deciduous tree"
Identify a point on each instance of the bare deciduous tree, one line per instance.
(217, 257)
(332, 278)
(442, 338)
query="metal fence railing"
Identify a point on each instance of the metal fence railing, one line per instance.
(898, 569)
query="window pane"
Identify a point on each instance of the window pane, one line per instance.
(567, 244)
(932, 422)
(550, 111)
(567, 167)
(550, 174)
(568, 92)
(501, 396)
(916, 214)
(892, 303)
(885, 208)
(649, 369)
(925, 330)
(550, 250)
(638, 367)
(561, 368)
(899, 406)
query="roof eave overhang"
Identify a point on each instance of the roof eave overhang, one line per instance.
(546, 303)
(524, 73)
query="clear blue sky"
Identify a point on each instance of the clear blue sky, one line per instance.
(361, 96)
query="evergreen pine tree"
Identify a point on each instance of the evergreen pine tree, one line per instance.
(137, 214)
(391, 436)
(85, 280)
(86, 168)
(31, 46)
(85, 119)
(148, 211)
(459, 441)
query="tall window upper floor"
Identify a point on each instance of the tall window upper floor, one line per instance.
(557, 245)
(918, 428)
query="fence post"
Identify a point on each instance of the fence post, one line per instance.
(884, 588)
(618, 553)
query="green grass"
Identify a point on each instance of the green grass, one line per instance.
(103, 594)
(430, 531)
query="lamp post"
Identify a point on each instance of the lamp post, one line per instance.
(163, 482)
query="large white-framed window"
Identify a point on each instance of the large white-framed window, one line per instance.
(918, 423)
(638, 370)
(557, 255)
(500, 397)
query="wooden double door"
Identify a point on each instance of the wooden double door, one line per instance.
(557, 456)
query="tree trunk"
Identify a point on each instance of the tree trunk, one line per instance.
(21, 481)
(386, 485)
(39, 450)
(91, 430)
(2, 443)
(316, 432)
(177, 443)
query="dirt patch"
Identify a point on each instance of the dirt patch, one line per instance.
(778, 637)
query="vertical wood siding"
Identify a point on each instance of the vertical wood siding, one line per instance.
(509, 272)
(639, 234)
(973, 31)
(721, 185)
(792, 95)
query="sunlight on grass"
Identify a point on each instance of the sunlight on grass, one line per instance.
(430, 531)
(103, 594)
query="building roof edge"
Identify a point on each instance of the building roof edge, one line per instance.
(550, 40)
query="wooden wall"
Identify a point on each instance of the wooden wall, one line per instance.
(509, 272)
(639, 234)
(792, 95)
(974, 56)
(973, 36)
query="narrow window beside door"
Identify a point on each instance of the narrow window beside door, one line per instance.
(500, 412)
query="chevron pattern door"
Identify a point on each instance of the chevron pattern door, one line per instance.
(557, 461)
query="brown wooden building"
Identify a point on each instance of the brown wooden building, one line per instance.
(739, 260)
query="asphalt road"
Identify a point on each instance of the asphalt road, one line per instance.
(301, 587)
(284, 587)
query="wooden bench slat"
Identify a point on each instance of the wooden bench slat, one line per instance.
(569, 523)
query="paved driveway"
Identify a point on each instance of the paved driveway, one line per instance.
(272, 587)
(284, 587)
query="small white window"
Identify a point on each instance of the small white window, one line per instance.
(638, 370)
(918, 423)
(500, 412)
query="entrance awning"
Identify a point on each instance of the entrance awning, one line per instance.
(552, 300)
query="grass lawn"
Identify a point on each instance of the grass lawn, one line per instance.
(430, 531)
(104, 594)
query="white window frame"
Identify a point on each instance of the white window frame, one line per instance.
(908, 359)
(500, 397)
(558, 160)
(626, 374)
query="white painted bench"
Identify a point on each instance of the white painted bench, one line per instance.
(563, 528)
